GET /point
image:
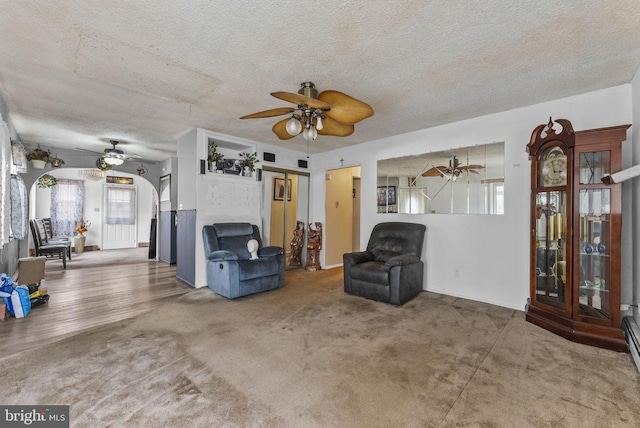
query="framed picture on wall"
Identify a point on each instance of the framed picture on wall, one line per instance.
(386, 195)
(165, 188)
(278, 189)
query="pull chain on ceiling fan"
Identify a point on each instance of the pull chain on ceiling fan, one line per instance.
(325, 113)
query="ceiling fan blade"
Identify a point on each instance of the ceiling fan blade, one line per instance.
(89, 151)
(280, 129)
(436, 171)
(270, 113)
(344, 108)
(337, 129)
(300, 99)
(470, 168)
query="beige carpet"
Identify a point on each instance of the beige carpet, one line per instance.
(309, 355)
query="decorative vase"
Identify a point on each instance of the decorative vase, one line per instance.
(38, 164)
(246, 171)
(78, 243)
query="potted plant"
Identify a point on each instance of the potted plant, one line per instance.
(247, 162)
(39, 158)
(80, 239)
(214, 157)
(55, 161)
(46, 181)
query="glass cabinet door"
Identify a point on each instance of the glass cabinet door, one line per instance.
(594, 272)
(551, 249)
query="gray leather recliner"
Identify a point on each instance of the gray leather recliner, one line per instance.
(390, 270)
(230, 270)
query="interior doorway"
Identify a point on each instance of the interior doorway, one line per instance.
(285, 213)
(342, 213)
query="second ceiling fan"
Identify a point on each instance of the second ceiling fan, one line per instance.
(325, 113)
(453, 170)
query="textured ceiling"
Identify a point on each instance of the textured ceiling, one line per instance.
(78, 73)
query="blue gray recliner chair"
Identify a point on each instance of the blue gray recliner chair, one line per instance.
(390, 270)
(230, 271)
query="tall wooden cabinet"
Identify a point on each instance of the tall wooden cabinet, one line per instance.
(576, 233)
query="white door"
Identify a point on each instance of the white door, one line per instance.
(120, 222)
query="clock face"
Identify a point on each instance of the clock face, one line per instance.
(554, 169)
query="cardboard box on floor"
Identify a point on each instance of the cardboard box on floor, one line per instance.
(30, 270)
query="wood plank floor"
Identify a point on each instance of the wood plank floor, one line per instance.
(97, 288)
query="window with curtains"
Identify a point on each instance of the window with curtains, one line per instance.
(67, 206)
(120, 205)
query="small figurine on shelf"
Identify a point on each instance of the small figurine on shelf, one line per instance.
(247, 162)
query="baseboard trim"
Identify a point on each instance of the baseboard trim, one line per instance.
(632, 334)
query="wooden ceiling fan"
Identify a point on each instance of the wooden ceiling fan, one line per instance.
(453, 170)
(325, 113)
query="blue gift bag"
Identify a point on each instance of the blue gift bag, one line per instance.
(17, 300)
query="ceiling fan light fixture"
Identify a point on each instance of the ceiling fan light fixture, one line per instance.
(114, 161)
(310, 133)
(293, 126)
(319, 125)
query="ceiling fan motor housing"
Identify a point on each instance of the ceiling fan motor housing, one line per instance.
(308, 89)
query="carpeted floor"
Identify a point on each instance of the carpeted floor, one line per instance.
(309, 355)
(98, 258)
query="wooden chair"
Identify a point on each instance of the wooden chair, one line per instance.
(46, 249)
(53, 239)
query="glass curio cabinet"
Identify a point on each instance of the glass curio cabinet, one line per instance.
(576, 233)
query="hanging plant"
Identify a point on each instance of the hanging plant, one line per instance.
(39, 158)
(55, 161)
(39, 154)
(46, 181)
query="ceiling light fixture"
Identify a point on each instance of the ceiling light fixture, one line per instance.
(327, 113)
(309, 122)
(114, 161)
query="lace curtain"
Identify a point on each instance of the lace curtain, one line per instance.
(5, 177)
(121, 207)
(67, 206)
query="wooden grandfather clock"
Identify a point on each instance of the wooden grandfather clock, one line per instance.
(575, 233)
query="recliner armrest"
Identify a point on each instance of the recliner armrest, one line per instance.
(269, 251)
(357, 257)
(404, 259)
(222, 255)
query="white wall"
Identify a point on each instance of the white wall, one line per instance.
(631, 294)
(40, 203)
(491, 253)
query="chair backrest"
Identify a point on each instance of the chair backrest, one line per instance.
(42, 231)
(48, 227)
(231, 237)
(396, 238)
(35, 234)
